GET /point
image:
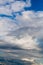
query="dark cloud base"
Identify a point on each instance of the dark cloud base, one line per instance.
(7, 46)
(13, 62)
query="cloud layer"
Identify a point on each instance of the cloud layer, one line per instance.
(21, 30)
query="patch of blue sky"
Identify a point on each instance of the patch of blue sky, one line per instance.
(8, 16)
(36, 5)
(12, 17)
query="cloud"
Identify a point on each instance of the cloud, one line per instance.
(10, 6)
(16, 62)
(5, 10)
(21, 32)
(6, 25)
(5, 2)
(25, 42)
(40, 44)
(19, 5)
(31, 18)
(24, 19)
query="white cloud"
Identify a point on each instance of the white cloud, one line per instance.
(5, 10)
(27, 18)
(25, 42)
(13, 6)
(39, 14)
(19, 5)
(6, 25)
(2, 2)
(31, 18)
(27, 59)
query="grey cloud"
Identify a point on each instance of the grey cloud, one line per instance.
(20, 31)
(40, 44)
(6, 45)
(9, 58)
(15, 62)
(9, 47)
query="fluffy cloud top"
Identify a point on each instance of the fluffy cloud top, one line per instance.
(9, 6)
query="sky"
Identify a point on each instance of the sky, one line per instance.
(21, 30)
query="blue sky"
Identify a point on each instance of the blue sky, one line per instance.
(36, 5)
(21, 30)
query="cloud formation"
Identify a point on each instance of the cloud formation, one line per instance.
(21, 30)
